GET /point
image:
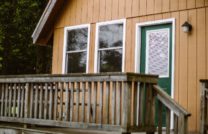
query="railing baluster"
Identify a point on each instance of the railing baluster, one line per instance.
(46, 101)
(126, 105)
(10, 99)
(51, 102)
(27, 100)
(83, 102)
(94, 103)
(135, 103)
(2, 99)
(61, 101)
(77, 88)
(55, 102)
(89, 103)
(71, 101)
(141, 104)
(167, 120)
(36, 100)
(160, 107)
(14, 101)
(19, 100)
(31, 100)
(101, 102)
(41, 102)
(22, 101)
(118, 105)
(175, 124)
(67, 102)
(113, 103)
(6, 101)
(107, 101)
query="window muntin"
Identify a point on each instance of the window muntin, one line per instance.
(110, 47)
(77, 43)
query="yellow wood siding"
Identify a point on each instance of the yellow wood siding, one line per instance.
(191, 50)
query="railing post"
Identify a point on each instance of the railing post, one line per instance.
(126, 106)
(183, 124)
(203, 108)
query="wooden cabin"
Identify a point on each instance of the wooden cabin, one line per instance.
(167, 38)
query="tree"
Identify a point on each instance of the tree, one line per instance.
(18, 55)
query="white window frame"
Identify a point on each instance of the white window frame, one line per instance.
(122, 21)
(138, 49)
(66, 29)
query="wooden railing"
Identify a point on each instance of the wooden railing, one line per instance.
(123, 102)
(113, 102)
(204, 107)
(180, 114)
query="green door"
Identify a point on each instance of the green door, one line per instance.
(156, 54)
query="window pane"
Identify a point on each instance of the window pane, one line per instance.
(77, 62)
(77, 39)
(111, 60)
(111, 36)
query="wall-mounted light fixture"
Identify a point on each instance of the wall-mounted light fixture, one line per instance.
(187, 27)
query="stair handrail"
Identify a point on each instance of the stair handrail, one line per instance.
(180, 114)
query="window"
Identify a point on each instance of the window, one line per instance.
(76, 49)
(110, 47)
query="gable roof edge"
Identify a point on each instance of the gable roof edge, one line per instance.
(42, 22)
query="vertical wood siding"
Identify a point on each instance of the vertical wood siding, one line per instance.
(191, 50)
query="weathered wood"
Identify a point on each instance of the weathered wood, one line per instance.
(83, 102)
(6, 101)
(14, 100)
(167, 121)
(107, 101)
(67, 103)
(135, 104)
(183, 126)
(113, 103)
(41, 102)
(31, 100)
(94, 103)
(51, 102)
(80, 77)
(19, 99)
(203, 107)
(71, 101)
(36, 101)
(141, 104)
(175, 124)
(22, 101)
(27, 97)
(169, 102)
(55, 101)
(2, 99)
(118, 105)
(126, 106)
(46, 101)
(10, 99)
(61, 101)
(89, 103)
(101, 103)
(77, 87)
(160, 106)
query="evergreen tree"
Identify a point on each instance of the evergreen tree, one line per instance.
(18, 55)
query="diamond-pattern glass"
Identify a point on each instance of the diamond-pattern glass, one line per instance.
(158, 52)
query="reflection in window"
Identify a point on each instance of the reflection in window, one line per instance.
(110, 48)
(76, 54)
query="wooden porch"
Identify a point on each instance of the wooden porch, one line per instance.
(114, 102)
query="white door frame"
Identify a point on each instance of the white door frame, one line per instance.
(138, 49)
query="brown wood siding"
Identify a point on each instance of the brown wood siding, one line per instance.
(191, 50)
